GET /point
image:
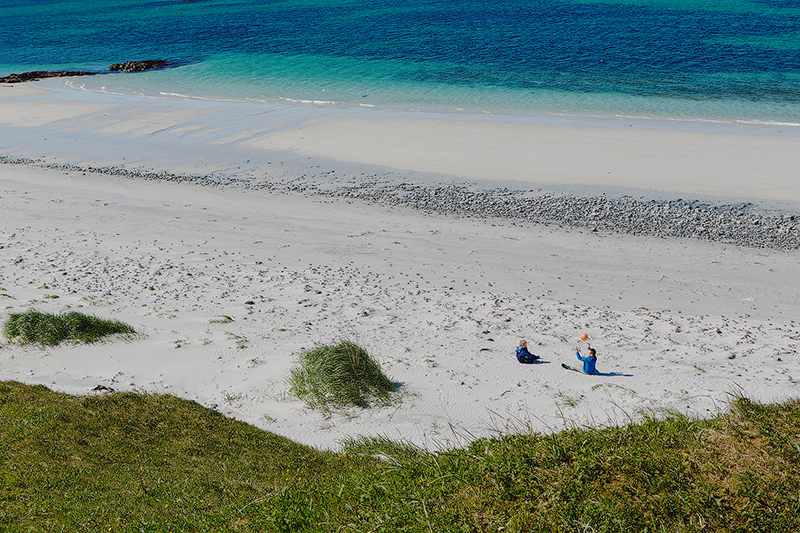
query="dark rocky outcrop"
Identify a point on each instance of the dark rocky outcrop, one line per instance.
(39, 74)
(128, 66)
(139, 66)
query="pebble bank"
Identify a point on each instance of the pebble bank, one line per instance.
(740, 224)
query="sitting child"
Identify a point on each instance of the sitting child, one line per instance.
(523, 355)
(589, 361)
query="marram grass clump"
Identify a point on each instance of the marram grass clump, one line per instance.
(339, 376)
(48, 329)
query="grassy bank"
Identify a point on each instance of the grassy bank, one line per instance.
(132, 462)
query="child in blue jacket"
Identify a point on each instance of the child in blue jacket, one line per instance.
(589, 361)
(523, 355)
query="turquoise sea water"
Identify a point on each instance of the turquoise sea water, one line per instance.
(728, 60)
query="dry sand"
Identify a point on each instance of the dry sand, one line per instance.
(441, 302)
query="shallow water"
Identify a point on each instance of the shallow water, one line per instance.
(730, 61)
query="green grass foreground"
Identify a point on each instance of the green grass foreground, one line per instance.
(48, 329)
(143, 463)
(337, 376)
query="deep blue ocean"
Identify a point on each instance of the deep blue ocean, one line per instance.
(728, 60)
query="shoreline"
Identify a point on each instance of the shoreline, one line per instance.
(581, 156)
(325, 151)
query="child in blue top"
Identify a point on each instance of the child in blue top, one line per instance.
(589, 361)
(523, 355)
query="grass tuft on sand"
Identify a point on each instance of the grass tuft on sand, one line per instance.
(48, 329)
(337, 376)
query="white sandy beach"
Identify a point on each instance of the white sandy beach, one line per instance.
(440, 301)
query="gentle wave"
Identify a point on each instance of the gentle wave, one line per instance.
(146, 90)
(769, 123)
(315, 102)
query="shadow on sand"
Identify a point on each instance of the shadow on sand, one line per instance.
(606, 374)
